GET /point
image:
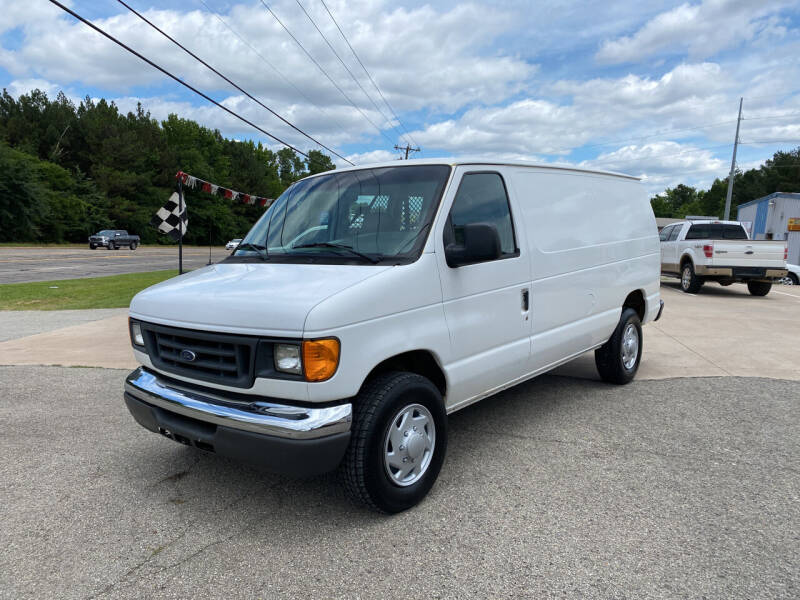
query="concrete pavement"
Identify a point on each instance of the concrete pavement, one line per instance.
(721, 331)
(569, 488)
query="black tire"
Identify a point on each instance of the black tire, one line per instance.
(111, 246)
(362, 470)
(759, 288)
(609, 357)
(92, 247)
(794, 278)
(133, 245)
(690, 281)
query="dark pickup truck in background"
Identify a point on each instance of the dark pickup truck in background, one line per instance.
(113, 239)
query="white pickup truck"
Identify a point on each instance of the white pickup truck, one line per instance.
(721, 251)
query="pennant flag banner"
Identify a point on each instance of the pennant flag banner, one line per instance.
(210, 188)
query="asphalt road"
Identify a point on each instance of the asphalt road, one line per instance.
(681, 488)
(20, 264)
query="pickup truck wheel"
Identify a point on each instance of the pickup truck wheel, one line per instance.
(690, 282)
(111, 246)
(133, 245)
(618, 359)
(398, 442)
(92, 247)
(759, 288)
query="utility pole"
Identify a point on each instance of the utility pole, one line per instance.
(733, 166)
(407, 149)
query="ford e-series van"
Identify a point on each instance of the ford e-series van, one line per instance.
(369, 303)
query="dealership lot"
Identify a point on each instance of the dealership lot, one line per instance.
(659, 489)
(682, 484)
(21, 264)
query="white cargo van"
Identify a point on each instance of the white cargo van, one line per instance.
(368, 303)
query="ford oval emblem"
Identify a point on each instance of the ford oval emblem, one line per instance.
(188, 355)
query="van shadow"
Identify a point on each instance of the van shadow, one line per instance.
(209, 489)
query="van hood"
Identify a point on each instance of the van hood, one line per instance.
(260, 299)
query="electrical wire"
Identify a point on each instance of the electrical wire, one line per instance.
(797, 114)
(339, 58)
(246, 93)
(668, 155)
(645, 137)
(270, 65)
(389, 106)
(770, 142)
(175, 77)
(324, 72)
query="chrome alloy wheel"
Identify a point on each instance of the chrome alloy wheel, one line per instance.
(409, 443)
(686, 278)
(630, 346)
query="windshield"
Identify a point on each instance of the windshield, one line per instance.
(370, 215)
(107, 232)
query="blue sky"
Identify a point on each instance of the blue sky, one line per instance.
(647, 88)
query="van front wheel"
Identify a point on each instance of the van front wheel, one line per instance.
(618, 359)
(398, 442)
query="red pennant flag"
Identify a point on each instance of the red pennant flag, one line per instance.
(262, 201)
(246, 198)
(228, 194)
(206, 187)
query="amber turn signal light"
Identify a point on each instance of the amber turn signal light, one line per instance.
(320, 359)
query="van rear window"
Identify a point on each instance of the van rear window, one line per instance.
(716, 231)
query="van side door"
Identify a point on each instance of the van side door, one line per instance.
(486, 304)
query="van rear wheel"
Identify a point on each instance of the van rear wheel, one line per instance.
(398, 442)
(618, 359)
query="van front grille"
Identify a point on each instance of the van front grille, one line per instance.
(219, 358)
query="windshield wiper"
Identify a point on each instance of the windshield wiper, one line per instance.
(260, 250)
(350, 249)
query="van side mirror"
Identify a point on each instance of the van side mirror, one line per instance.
(481, 243)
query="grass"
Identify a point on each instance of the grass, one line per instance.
(114, 291)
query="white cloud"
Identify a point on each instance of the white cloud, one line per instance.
(702, 30)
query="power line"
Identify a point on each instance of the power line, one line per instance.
(339, 58)
(668, 155)
(324, 72)
(771, 142)
(246, 93)
(797, 114)
(269, 64)
(389, 106)
(644, 137)
(175, 77)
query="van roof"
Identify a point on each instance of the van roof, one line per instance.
(453, 162)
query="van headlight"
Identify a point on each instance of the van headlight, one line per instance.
(287, 359)
(136, 334)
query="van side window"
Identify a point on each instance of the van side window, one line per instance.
(676, 231)
(481, 198)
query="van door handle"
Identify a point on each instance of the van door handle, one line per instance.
(525, 300)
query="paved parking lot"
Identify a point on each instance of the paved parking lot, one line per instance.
(683, 484)
(681, 488)
(20, 264)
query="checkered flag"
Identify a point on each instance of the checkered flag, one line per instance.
(168, 219)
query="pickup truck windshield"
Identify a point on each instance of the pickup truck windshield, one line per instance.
(107, 232)
(716, 231)
(369, 216)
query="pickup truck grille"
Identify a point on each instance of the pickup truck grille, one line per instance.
(219, 358)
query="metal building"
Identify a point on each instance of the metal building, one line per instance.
(774, 217)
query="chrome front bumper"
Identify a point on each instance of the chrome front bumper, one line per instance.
(260, 417)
